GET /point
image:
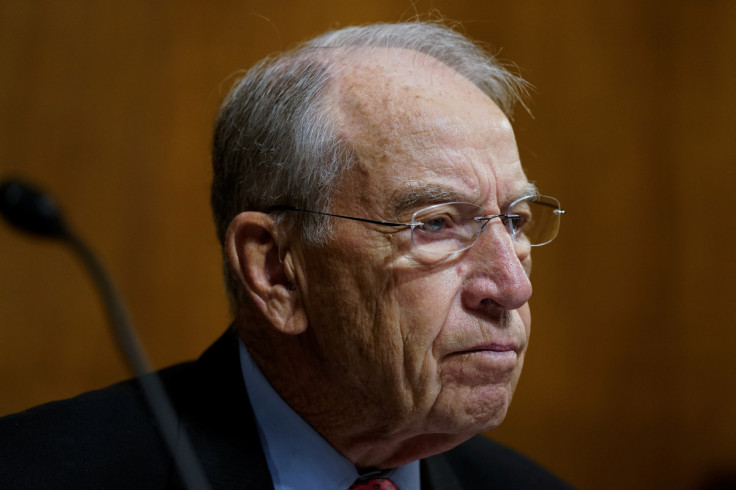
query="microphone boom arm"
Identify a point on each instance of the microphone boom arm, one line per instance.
(178, 443)
(36, 213)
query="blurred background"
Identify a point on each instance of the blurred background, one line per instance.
(630, 380)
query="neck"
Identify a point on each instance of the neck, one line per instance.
(366, 433)
(370, 452)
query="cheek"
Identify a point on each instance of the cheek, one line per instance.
(526, 263)
(526, 318)
(353, 303)
(425, 306)
(380, 313)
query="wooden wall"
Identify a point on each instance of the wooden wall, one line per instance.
(630, 380)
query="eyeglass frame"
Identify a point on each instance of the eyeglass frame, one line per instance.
(506, 218)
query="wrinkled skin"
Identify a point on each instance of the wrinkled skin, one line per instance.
(404, 355)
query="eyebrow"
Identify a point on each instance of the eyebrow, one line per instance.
(420, 194)
(416, 194)
(530, 189)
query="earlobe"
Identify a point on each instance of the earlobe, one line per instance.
(259, 256)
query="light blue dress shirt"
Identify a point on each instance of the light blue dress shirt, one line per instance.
(297, 456)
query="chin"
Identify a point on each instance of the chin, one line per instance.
(481, 411)
(495, 421)
(489, 421)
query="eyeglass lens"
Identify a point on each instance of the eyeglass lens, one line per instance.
(452, 227)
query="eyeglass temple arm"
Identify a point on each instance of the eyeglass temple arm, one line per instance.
(375, 222)
(557, 210)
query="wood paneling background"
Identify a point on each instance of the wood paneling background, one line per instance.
(630, 380)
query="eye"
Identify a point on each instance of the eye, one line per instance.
(445, 228)
(517, 222)
(437, 223)
(519, 217)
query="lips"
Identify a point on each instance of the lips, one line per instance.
(484, 364)
(499, 347)
(495, 347)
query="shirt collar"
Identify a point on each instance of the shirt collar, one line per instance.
(297, 456)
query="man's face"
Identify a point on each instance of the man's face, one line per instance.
(424, 345)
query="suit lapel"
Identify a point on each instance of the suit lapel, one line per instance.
(214, 408)
(437, 474)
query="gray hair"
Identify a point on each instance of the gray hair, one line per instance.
(276, 144)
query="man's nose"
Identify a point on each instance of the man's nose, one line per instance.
(497, 275)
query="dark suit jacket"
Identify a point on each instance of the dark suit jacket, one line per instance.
(107, 439)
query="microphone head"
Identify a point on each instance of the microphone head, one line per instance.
(30, 210)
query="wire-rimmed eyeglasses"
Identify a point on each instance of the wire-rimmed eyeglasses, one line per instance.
(455, 226)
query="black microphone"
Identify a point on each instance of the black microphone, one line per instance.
(30, 210)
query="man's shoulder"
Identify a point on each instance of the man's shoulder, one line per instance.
(108, 438)
(101, 433)
(483, 463)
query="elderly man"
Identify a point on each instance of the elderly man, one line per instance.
(376, 227)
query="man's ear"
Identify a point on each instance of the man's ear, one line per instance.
(259, 256)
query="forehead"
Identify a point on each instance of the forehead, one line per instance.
(415, 123)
